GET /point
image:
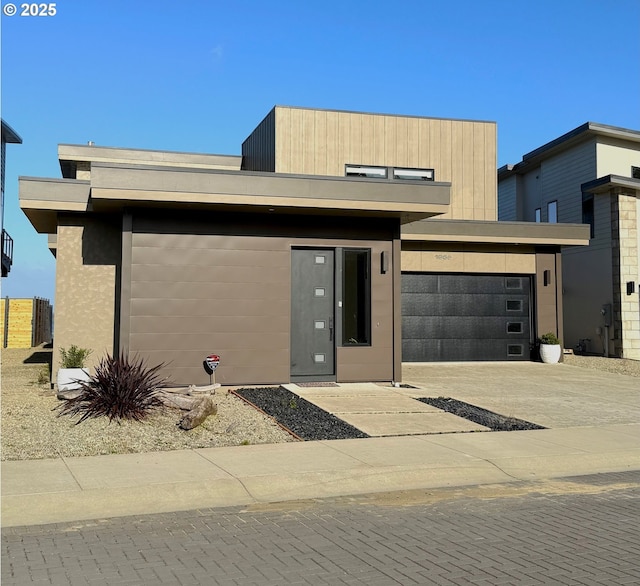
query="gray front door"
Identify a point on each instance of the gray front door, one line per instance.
(312, 313)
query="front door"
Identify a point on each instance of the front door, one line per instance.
(312, 314)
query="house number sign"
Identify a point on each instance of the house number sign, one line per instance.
(211, 363)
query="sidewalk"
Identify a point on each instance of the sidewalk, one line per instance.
(71, 489)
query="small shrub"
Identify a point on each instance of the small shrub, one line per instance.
(43, 376)
(549, 338)
(74, 357)
(120, 389)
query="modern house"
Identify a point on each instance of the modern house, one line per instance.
(589, 175)
(337, 245)
(9, 136)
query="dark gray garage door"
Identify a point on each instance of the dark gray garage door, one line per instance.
(449, 317)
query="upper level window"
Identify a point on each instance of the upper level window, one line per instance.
(414, 174)
(538, 215)
(362, 171)
(552, 212)
(635, 172)
(395, 173)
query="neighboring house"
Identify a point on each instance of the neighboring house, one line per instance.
(589, 175)
(8, 136)
(313, 256)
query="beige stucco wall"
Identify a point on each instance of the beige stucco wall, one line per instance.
(463, 152)
(617, 158)
(87, 255)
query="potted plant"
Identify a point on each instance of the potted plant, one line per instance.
(72, 368)
(550, 349)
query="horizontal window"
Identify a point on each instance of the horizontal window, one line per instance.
(514, 305)
(362, 171)
(414, 174)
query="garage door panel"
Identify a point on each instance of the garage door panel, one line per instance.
(463, 350)
(466, 327)
(448, 317)
(415, 304)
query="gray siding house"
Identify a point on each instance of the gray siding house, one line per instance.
(589, 175)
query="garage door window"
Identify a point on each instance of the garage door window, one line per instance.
(515, 350)
(514, 305)
(515, 327)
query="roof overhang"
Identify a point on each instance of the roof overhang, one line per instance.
(115, 186)
(70, 155)
(613, 182)
(486, 232)
(586, 131)
(9, 135)
(43, 199)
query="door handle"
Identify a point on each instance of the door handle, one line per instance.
(330, 329)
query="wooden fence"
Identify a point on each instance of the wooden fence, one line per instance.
(25, 322)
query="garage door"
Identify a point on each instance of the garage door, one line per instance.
(449, 317)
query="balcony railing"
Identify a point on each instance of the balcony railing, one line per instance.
(7, 253)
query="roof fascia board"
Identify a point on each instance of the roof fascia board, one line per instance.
(567, 140)
(9, 135)
(497, 232)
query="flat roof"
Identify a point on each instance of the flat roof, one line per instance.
(116, 185)
(608, 182)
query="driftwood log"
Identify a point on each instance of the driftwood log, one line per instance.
(198, 401)
(199, 413)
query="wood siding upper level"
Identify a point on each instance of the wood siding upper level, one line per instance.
(322, 142)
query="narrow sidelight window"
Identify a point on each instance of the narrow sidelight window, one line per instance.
(552, 212)
(356, 297)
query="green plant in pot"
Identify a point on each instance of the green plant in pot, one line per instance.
(550, 348)
(72, 369)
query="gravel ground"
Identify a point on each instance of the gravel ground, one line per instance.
(494, 421)
(32, 430)
(303, 418)
(617, 365)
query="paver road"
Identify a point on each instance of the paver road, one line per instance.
(579, 531)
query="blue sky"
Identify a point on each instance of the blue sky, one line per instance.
(199, 75)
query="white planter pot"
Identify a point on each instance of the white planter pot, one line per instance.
(550, 353)
(68, 378)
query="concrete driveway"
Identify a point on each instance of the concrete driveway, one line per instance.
(552, 395)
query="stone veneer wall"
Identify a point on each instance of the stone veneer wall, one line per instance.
(626, 308)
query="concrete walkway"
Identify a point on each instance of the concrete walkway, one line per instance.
(594, 421)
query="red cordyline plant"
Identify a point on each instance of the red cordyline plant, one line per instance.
(121, 388)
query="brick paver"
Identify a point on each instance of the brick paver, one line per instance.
(587, 534)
